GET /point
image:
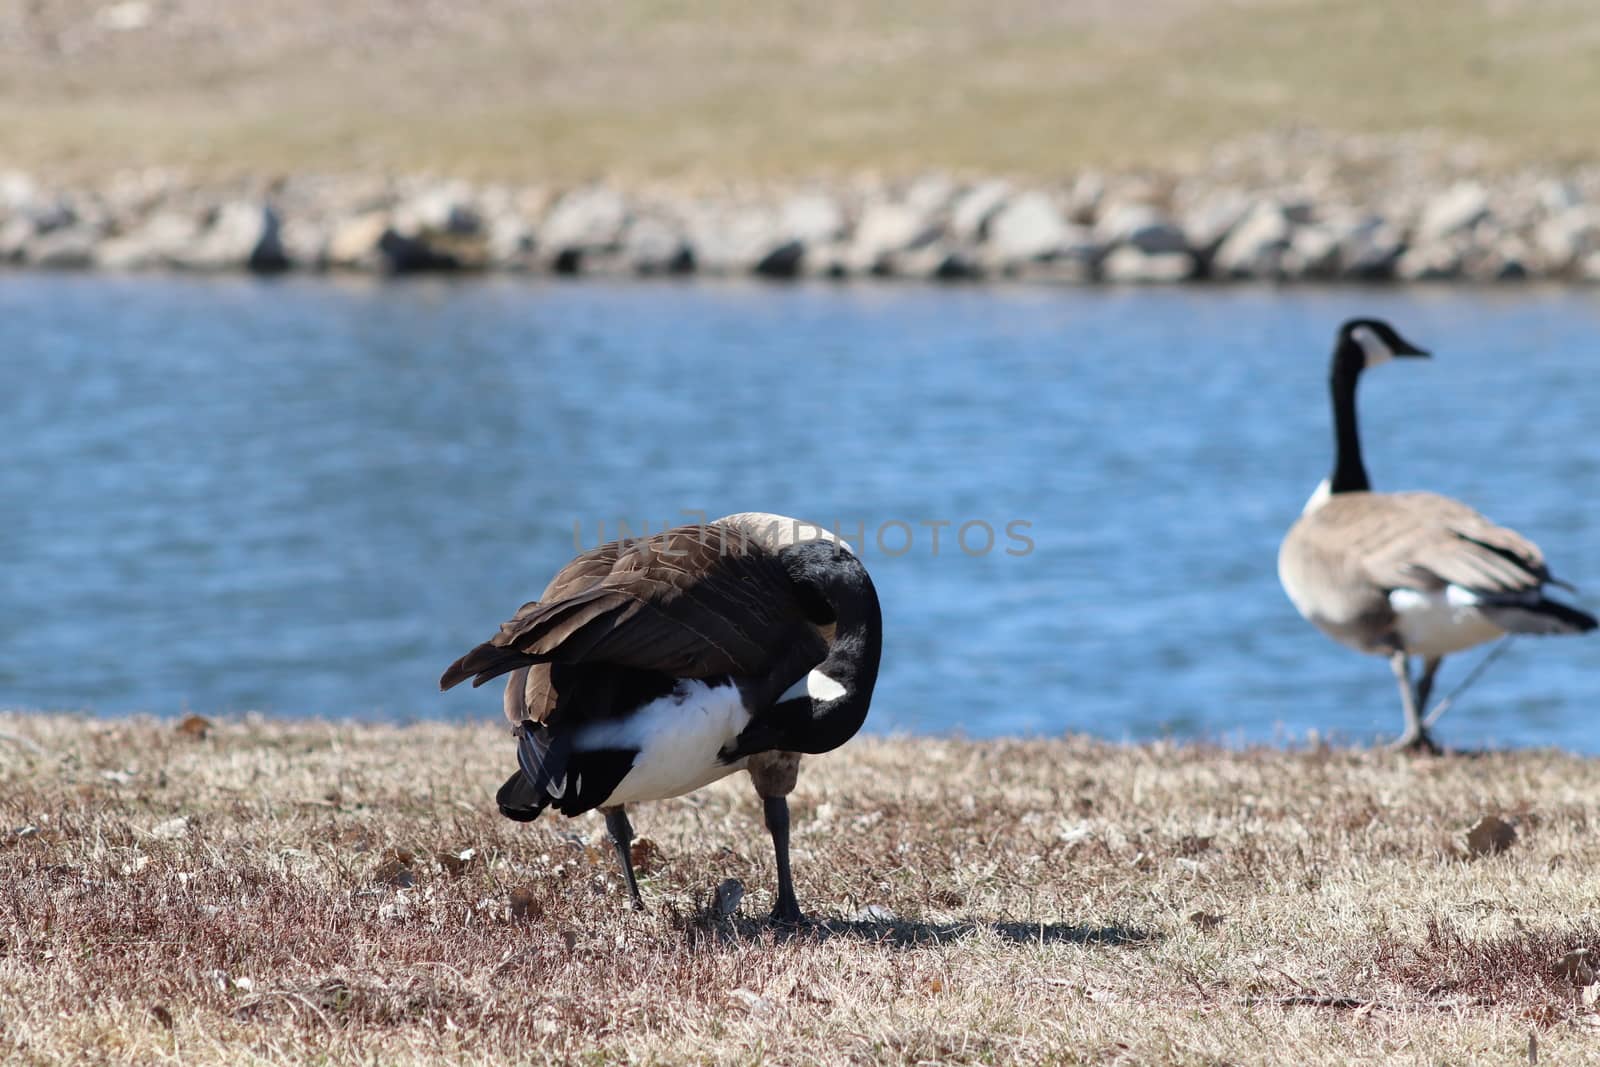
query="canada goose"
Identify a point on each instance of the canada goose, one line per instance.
(1407, 574)
(652, 667)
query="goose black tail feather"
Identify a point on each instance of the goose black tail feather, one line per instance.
(541, 777)
(518, 801)
(1542, 617)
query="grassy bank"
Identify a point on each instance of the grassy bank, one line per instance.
(563, 89)
(261, 892)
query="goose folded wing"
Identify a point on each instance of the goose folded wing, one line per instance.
(692, 603)
(1448, 543)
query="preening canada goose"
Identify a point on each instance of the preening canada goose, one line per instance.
(652, 667)
(1407, 574)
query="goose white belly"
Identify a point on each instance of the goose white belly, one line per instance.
(1440, 622)
(677, 738)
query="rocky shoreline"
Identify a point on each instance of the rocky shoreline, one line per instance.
(1381, 217)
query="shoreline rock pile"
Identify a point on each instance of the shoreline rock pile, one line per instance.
(1332, 222)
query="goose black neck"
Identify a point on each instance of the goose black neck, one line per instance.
(852, 661)
(1349, 473)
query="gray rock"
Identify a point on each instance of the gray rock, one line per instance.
(18, 193)
(354, 242)
(1255, 247)
(732, 241)
(1086, 198)
(1498, 257)
(511, 242)
(1141, 226)
(1564, 239)
(931, 195)
(1029, 227)
(305, 242)
(244, 236)
(889, 228)
(1128, 264)
(1211, 220)
(15, 235)
(161, 242)
(830, 260)
(651, 245)
(400, 253)
(812, 218)
(1588, 269)
(785, 261)
(584, 220)
(1369, 250)
(1071, 267)
(974, 210)
(941, 260)
(1313, 253)
(1556, 195)
(1439, 260)
(446, 208)
(1457, 209)
(63, 248)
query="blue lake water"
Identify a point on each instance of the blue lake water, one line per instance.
(308, 497)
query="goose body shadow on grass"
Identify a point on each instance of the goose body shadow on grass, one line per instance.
(652, 667)
(1414, 574)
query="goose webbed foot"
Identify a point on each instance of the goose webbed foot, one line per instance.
(1415, 738)
(1417, 742)
(622, 837)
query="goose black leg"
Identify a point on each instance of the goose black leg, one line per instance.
(622, 837)
(1430, 667)
(1415, 738)
(787, 910)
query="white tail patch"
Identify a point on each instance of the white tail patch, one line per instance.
(817, 686)
(677, 738)
(1439, 623)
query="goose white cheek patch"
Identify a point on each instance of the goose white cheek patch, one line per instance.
(815, 685)
(1372, 346)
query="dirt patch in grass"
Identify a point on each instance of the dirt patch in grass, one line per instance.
(257, 892)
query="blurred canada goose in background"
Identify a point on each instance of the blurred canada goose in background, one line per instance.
(1407, 574)
(652, 667)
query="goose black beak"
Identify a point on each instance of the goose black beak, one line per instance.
(1406, 348)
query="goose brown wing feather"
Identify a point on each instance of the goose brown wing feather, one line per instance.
(693, 602)
(1427, 541)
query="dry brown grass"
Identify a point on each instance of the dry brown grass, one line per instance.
(294, 892)
(707, 89)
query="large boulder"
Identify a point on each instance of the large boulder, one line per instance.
(63, 248)
(1456, 210)
(244, 235)
(1129, 264)
(653, 245)
(1141, 226)
(584, 221)
(445, 208)
(354, 242)
(1211, 217)
(812, 218)
(1255, 247)
(733, 240)
(887, 229)
(1432, 261)
(974, 210)
(1564, 239)
(1028, 227)
(161, 241)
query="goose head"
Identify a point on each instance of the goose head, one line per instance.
(1364, 343)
